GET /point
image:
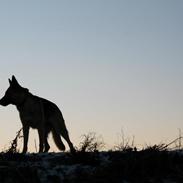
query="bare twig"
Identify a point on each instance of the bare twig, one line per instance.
(14, 143)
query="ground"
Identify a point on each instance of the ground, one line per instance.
(129, 166)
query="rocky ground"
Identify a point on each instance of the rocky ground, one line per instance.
(150, 165)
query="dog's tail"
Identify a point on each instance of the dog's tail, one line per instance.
(58, 140)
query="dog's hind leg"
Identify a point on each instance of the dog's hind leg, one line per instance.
(41, 139)
(65, 135)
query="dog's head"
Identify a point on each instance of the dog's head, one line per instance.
(15, 94)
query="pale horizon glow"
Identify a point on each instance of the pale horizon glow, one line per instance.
(108, 65)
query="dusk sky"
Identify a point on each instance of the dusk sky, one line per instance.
(108, 65)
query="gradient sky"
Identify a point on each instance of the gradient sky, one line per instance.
(109, 65)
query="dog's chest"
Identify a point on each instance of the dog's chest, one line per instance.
(31, 115)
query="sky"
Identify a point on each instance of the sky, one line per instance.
(110, 66)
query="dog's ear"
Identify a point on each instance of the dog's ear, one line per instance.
(10, 82)
(14, 81)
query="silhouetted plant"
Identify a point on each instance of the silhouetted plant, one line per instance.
(165, 147)
(14, 143)
(91, 143)
(125, 144)
(156, 147)
(177, 143)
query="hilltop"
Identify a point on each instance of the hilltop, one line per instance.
(130, 166)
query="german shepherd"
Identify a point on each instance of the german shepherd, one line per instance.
(38, 113)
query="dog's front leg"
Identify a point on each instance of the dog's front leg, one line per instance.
(41, 139)
(25, 136)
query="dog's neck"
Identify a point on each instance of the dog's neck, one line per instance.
(27, 94)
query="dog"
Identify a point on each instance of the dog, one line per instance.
(37, 113)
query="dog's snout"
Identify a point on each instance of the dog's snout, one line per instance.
(4, 101)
